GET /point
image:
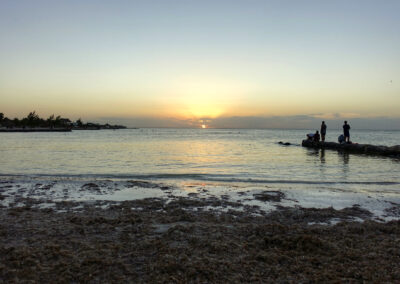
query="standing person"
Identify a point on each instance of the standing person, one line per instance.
(323, 131)
(346, 132)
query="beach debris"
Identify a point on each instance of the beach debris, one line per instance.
(275, 196)
(300, 214)
(393, 211)
(142, 184)
(90, 186)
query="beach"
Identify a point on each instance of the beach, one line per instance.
(182, 237)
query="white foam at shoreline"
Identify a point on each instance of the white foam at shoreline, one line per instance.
(47, 192)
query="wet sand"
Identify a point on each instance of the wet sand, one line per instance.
(192, 239)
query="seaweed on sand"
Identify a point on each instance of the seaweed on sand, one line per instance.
(162, 243)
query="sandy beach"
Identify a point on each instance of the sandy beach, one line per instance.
(49, 235)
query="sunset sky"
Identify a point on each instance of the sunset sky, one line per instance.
(187, 63)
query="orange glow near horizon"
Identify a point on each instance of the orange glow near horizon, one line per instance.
(201, 95)
(201, 110)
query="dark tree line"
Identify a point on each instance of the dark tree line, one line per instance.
(34, 120)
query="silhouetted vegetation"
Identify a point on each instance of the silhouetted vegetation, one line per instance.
(33, 120)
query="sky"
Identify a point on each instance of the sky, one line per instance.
(168, 63)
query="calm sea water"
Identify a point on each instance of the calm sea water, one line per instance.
(216, 155)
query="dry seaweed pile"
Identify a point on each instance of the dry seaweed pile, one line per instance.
(154, 241)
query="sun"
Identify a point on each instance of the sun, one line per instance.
(203, 126)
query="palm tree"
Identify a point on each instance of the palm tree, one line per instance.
(50, 121)
(79, 123)
(33, 119)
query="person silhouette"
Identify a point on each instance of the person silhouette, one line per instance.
(323, 131)
(346, 131)
(316, 136)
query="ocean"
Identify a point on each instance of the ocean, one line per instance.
(205, 154)
(220, 160)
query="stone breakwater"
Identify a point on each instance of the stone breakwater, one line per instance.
(367, 149)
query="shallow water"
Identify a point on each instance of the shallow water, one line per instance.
(198, 154)
(207, 162)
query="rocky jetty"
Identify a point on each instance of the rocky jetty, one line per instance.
(367, 149)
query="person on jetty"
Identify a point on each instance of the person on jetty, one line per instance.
(346, 131)
(323, 131)
(316, 136)
(313, 136)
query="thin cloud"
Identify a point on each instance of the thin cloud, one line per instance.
(336, 115)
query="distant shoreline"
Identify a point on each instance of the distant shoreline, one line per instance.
(36, 130)
(53, 129)
(34, 123)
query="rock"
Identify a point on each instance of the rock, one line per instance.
(355, 148)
